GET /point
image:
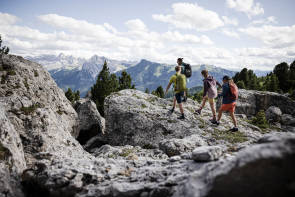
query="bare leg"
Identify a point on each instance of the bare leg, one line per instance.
(204, 102)
(211, 101)
(181, 108)
(219, 115)
(174, 102)
(232, 114)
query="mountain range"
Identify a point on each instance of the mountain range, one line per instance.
(80, 73)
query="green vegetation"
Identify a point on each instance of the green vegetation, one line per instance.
(281, 79)
(30, 109)
(198, 96)
(3, 152)
(11, 72)
(125, 152)
(143, 105)
(26, 83)
(108, 83)
(72, 96)
(231, 137)
(4, 49)
(125, 81)
(159, 92)
(260, 120)
(147, 91)
(36, 74)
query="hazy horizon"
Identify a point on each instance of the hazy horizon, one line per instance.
(257, 34)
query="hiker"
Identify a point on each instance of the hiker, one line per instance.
(185, 70)
(179, 82)
(209, 93)
(229, 96)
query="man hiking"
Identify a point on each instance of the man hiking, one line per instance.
(209, 93)
(185, 70)
(179, 82)
(229, 95)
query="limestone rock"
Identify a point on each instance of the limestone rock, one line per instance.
(251, 101)
(287, 119)
(178, 146)
(273, 114)
(260, 170)
(207, 153)
(91, 123)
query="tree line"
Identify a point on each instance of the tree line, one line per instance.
(281, 79)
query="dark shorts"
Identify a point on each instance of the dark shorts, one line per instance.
(179, 96)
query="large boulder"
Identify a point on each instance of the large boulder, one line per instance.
(287, 119)
(91, 123)
(207, 153)
(252, 101)
(37, 121)
(262, 170)
(273, 114)
(139, 119)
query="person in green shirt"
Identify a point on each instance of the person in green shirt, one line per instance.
(179, 82)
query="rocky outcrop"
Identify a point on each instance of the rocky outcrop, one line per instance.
(91, 123)
(273, 114)
(262, 170)
(251, 101)
(139, 119)
(149, 151)
(37, 120)
(207, 153)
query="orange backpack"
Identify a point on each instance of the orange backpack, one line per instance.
(234, 91)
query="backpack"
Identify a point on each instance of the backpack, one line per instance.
(187, 71)
(180, 85)
(234, 91)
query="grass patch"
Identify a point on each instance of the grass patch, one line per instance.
(30, 109)
(36, 74)
(3, 79)
(231, 137)
(152, 99)
(4, 152)
(125, 152)
(172, 121)
(148, 146)
(11, 72)
(26, 83)
(143, 105)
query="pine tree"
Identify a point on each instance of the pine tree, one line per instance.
(159, 92)
(241, 84)
(292, 76)
(282, 72)
(147, 91)
(69, 94)
(260, 120)
(106, 83)
(125, 81)
(4, 49)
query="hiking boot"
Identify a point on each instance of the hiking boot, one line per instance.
(181, 117)
(198, 111)
(215, 122)
(171, 110)
(235, 129)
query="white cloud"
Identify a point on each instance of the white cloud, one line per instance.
(191, 16)
(229, 21)
(83, 39)
(136, 25)
(186, 38)
(6, 19)
(249, 7)
(268, 20)
(273, 36)
(230, 33)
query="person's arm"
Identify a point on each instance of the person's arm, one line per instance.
(168, 87)
(219, 85)
(206, 87)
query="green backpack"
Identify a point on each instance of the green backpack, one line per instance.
(180, 85)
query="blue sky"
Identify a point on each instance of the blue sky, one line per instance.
(229, 33)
